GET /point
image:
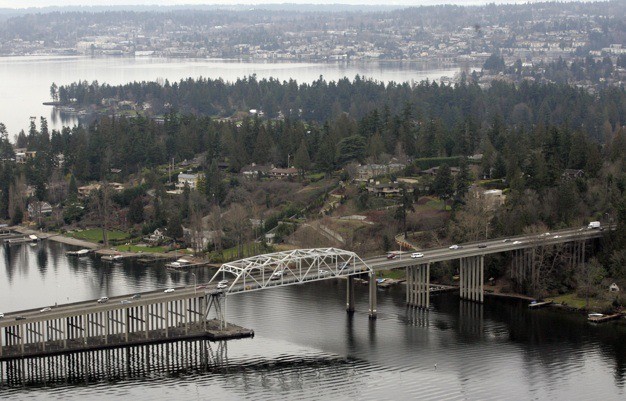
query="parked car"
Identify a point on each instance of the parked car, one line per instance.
(169, 290)
(46, 309)
(416, 255)
(102, 300)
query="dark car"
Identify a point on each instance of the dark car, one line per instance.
(391, 256)
(482, 245)
(20, 318)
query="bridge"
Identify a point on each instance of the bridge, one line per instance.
(173, 314)
(472, 257)
(185, 313)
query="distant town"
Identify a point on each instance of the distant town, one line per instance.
(526, 37)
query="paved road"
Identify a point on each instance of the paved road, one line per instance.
(491, 246)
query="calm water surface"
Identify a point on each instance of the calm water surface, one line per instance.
(307, 347)
(25, 81)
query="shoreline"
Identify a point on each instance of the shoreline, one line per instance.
(57, 237)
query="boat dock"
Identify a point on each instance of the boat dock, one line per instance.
(603, 318)
(149, 259)
(536, 305)
(184, 266)
(19, 240)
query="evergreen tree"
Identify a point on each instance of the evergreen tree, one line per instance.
(301, 160)
(135, 211)
(443, 185)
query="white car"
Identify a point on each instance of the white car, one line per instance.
(102, 300)
(169, 290)
(1, 315)
(223, 282)
(556, 236)
(416, 255)
(517, 242)
(47, 309)
(455, 246)
(221, 286)
(277, 275)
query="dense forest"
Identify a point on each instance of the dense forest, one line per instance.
(528, 136)
(523, 106)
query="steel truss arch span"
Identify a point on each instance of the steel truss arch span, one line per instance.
(289, 268)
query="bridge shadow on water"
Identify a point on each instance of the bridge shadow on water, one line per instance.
(143, 362)
(116, 364)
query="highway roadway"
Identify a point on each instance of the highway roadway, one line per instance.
(486, 247)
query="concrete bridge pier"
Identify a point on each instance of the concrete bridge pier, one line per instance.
(471, 278)
(372, 288)
(418, 285)
(350, 295)
(578, 253)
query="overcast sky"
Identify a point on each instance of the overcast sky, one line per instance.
(45, 3)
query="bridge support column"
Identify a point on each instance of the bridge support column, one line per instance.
(418, 285)
(373, 301)
(350, 295)
(472, 278)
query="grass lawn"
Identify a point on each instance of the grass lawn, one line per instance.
(145, 249)
(395, 274)
(575, 301)
(95, 235)
(231, 253)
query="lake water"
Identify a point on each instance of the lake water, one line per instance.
(307, 348)
(25, 81)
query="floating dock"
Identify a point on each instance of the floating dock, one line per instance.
(21, 240)
(603, 318)
(541, 304)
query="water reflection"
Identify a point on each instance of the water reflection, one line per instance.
(307, 347)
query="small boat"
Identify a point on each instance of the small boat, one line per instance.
(112, 258)
(79, 253)
(595, 315)
(179, 263)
